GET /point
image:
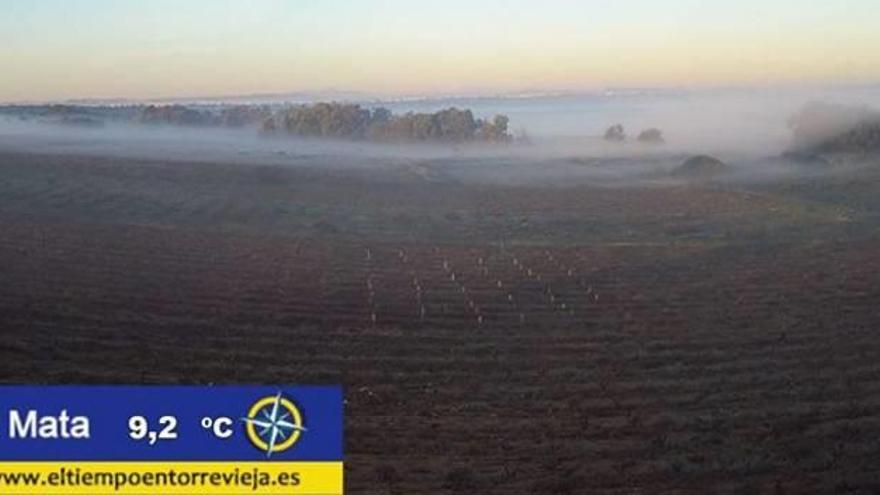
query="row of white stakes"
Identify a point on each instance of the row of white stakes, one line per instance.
(482, 270)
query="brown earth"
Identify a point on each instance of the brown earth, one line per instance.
(490, 339)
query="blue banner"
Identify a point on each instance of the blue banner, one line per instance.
(174, 423)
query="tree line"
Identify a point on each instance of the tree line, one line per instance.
(351, 121)
(324, 120)
(232, 116)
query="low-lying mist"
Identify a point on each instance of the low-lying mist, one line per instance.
(556, 140)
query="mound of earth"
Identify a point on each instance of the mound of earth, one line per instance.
(701, 166)
(805, 159)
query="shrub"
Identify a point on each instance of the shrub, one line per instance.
(651, 136)
(615, 133)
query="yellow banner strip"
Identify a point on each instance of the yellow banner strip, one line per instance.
(171, 478)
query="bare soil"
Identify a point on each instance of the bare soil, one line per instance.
(491, 339)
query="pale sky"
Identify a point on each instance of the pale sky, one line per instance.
(59, 49)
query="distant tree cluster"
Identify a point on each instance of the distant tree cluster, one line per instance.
(617, 134)
(863, 138)
(175, 114)
(651, 136)
(321, 120)
(243, 115)
(826, 127)
(351, 121)
(326, 120)
(71, 114)
(230, 116)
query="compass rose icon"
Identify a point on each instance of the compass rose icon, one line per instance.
(274, 424)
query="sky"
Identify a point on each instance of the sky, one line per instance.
(53, 50)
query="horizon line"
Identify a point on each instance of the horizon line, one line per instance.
(359, 96)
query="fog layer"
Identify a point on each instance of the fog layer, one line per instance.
(558, 139)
